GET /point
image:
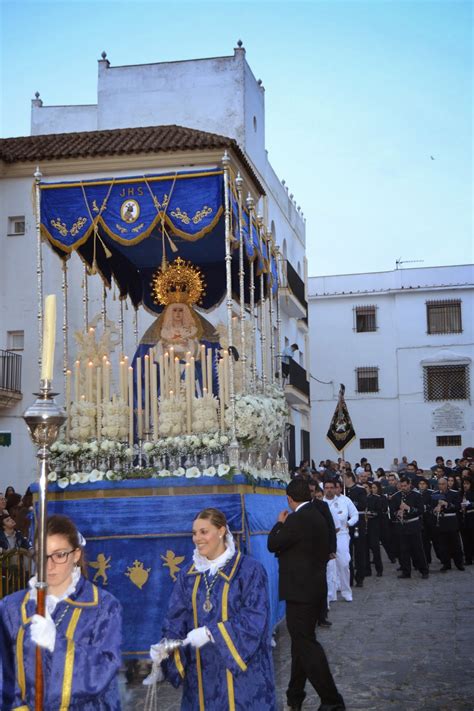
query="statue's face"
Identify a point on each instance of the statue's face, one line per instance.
(178, 315)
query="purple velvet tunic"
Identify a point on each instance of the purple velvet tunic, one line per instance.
(236, 671)
(81, 672)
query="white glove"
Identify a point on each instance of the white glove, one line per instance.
(155, 676)
(198, 637)
(43, 631)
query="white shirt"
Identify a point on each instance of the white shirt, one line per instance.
(343, 512)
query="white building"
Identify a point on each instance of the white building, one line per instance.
(402, 342)
(223, 104)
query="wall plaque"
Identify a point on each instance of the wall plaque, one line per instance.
(448, 418)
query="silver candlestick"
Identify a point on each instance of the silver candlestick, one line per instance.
(44, 419)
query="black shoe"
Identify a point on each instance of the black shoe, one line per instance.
(360, 584)
(295, 708)
(468, 562)
(460, 567)
(324, 623)
(404, 576)
(379, 574)
(445, 568)
(399, 569)
(425, 576)
(332, 707)
(393, 560)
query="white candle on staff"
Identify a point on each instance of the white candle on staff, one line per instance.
(49, 337)
(90, 366)
(68, 402)
(220, 372)
(226, 376)
(77, 380)
(139, 399)
(209, 370)
(146, 365)
(98, 394)
(188, 399)
(154, 398)
(104, 374)
(125, 371)
(121, 380)
(130, 405)
(203, 366)
(165, 384)
(161, 369)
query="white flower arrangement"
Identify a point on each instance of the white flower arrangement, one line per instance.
(259, 419)
(204, 417)
(172, 416)
(83, 420)
(115, 416)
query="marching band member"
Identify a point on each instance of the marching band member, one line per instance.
(445, 509)
(406, 507)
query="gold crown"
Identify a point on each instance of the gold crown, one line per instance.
(178, 283)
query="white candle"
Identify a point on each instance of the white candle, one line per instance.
(68, 403)
(90, 366)
(209, 370)
(147, 392)
(161, 368)
(188, 399)
(49, 337)
(177, 376)
(165, 385)
(130, 405)
(220, 372)
(139, 399)
(77, 380)
(203, 366)
(154, 399)
(98, 394)
(193, 377)
(107, 381)
(226, 376)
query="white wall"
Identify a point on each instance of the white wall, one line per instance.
(398, 412)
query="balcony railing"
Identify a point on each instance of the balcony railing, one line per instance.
(291, 280)
(298, 377)
(10, 377)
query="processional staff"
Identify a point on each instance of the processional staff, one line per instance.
(44, 419)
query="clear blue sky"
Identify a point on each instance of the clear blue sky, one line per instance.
(359, 96)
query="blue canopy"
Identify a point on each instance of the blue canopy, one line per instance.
(120, 226)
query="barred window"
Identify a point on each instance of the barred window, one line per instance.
(444, 316)
(367, 380)
(372, 443)
(365, 318)
(446, 382)
(448, 441)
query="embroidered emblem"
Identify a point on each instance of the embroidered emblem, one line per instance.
(94, 206)
(172, 561)
(101, 565)
(121, 229)
(199, 215)
(63, 230)
(139, 227)
(138, 574)
(130, 211)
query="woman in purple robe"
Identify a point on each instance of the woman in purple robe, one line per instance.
(220, 608)
(80, 636)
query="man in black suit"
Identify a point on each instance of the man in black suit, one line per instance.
(301, 542)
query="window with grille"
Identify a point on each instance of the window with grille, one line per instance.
(448, 441)
(365, 318)
(15, 340)
(446, 382)
(16, 225)
(444, 316)
(367, 380)
(372, 443)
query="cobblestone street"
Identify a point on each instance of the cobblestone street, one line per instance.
(400, 645)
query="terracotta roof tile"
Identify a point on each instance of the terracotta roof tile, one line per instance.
(118, 141)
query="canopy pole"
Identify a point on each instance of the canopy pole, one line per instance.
(263, 324)
(233, 447)
(253, 362)
(104, 307)
(243, 346)
(278, 258)
(39, 262)
(85, 298)
(270, 303)
(121, 326)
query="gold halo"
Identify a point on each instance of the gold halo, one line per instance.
(178, 283)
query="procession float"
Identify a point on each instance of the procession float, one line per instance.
(194, 415)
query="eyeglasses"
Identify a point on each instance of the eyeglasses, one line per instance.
(59, 557)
